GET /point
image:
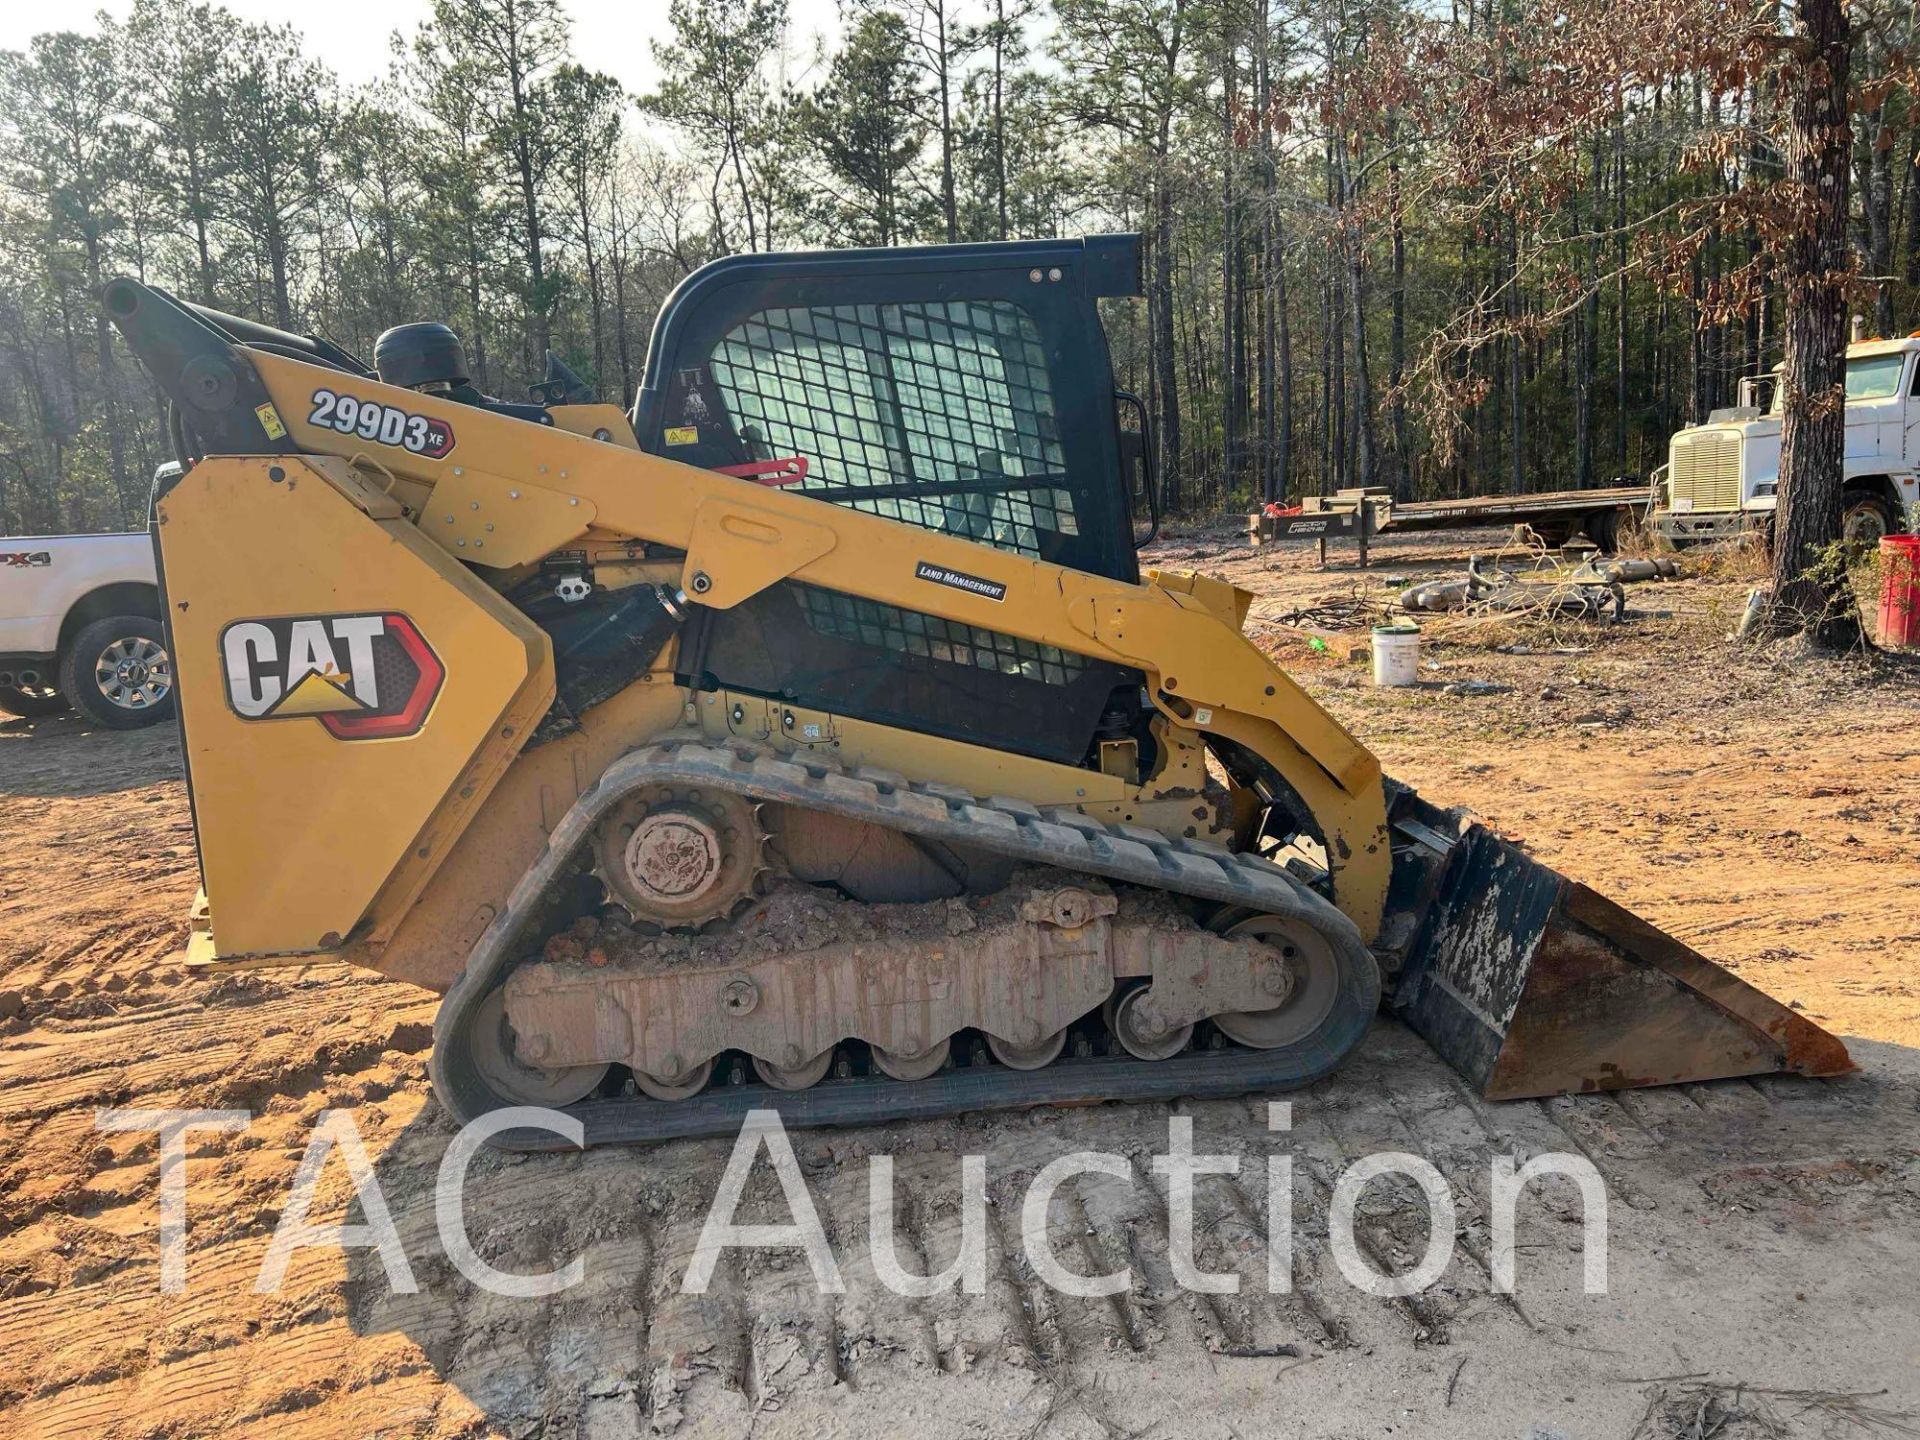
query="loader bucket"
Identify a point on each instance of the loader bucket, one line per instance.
(1530, 984)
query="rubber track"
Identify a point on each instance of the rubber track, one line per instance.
(1055, 836)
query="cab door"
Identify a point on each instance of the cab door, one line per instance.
(1877, 389)
(1910, 447)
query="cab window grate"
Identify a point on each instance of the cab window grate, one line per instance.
(909, 632)
(945, 405)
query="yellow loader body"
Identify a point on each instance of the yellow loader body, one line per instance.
(454, 710)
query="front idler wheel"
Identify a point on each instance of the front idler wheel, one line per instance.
(1305, 981)
(512, 1075)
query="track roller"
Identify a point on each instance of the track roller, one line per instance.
(1141, 1030)
(801, 1076)
(916, 1066)
(683, 1086)
(1041, 1053)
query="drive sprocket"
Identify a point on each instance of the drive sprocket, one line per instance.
(680, 856)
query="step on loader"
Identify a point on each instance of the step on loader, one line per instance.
(810, 738)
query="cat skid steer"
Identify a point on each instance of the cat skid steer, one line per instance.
(810, 738)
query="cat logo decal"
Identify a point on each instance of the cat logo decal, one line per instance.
(363, 677)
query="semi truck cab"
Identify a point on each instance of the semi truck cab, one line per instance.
(1722, 477)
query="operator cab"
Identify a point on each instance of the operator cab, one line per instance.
(961, 388)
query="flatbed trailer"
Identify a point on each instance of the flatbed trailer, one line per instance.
(1360, 514)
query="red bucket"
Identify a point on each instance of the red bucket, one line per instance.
(1900, 590)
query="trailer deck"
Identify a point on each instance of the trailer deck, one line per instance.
(1360, 514)
(1493, 509)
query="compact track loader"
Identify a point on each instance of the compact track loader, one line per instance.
(810, 738)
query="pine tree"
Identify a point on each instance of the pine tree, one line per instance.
(866, 122)
(713, 88)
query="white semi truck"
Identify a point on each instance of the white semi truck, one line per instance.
(1722, 477)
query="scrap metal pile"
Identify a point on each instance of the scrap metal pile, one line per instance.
(1353, 610)
(1593, 590)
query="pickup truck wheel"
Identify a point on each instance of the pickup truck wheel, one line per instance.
(1865, 522)
(32, 701)
(117, 672)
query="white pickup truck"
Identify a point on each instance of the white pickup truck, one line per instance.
(1722, 477)
(80, 626)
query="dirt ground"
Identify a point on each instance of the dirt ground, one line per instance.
(1765, 1237)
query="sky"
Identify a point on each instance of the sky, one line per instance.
(350, 36)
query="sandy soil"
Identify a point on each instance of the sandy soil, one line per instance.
(1764, 1238)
